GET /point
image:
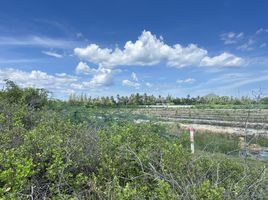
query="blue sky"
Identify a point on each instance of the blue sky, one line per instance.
(123, 47)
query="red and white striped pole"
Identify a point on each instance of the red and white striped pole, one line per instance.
(191, 129)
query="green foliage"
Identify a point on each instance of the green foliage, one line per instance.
(48, 153)
(35, 98)
(15, 171)
(30, 97)
(218, 143)
(207, 191)
(208, 101)
(264, 100)
(260, 141)
(13, 93)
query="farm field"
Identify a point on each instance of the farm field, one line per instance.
(231, 121)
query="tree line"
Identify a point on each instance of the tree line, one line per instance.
(37, 98)
(145, 99)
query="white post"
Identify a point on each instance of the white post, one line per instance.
(191, 129)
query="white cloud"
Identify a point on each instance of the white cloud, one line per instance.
(179, 56)
(134, 83)
(188, 80)
(149, 50)
(261, 30)
(134, 77)
(148, 84)
(247, 46)
(78, 86)
(231, 37)
(102, 77)
(245, 42)
(233, 81)
(37, 41)
(83, 68)
(60, 84)
(130, 84)
(61, 74)
(79, 35)
(53, 54)
(39, 79)
(224, 60)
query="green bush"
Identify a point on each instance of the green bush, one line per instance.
(217, 143)
(46, 154)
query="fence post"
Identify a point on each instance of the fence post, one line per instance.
(191, 129)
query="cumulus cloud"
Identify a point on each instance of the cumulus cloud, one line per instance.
(53, 54)
(83, 68)
(39, 79)
(130, 84)
(231, 37)
(149, 50)
(61, 84)
(226, 60)
(188, 80)
(102, 77)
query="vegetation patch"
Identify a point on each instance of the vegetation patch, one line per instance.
(50, 151)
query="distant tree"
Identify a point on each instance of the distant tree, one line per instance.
(35, 98)
(12, 92)
(113, 102)
(31, 97)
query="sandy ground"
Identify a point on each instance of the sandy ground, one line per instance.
(227, 130)
(215, 128)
